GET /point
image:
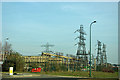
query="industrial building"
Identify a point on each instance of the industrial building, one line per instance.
(70, 62)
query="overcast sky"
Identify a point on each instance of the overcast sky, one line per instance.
(32, 24)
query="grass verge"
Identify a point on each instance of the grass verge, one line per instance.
(83, 74)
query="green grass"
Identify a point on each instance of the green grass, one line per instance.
(105, 74)
(80, 74)
(83, 74)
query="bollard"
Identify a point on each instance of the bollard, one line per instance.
(11, 71)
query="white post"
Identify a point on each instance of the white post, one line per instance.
(11, 71)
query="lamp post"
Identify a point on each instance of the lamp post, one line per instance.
(90, 47)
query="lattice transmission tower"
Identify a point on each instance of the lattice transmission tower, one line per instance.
(47, 47)
(81, 51)
(99, 53)
(104, 54)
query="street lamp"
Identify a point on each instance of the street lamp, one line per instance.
(90, 47)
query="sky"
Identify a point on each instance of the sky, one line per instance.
(28, 25)
(60, 0)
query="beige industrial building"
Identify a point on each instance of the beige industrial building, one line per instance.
(47, 57)
(50, 59)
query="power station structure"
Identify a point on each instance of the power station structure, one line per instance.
(104, 54)
(81, 51)
(47, 47)
(50, 60)
(101, 54)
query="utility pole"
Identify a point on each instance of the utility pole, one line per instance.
(81, 51)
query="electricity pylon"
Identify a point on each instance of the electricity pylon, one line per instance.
(101, 54)
(99, 57)
(104, 54)
(47, 47)
(81, 46)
